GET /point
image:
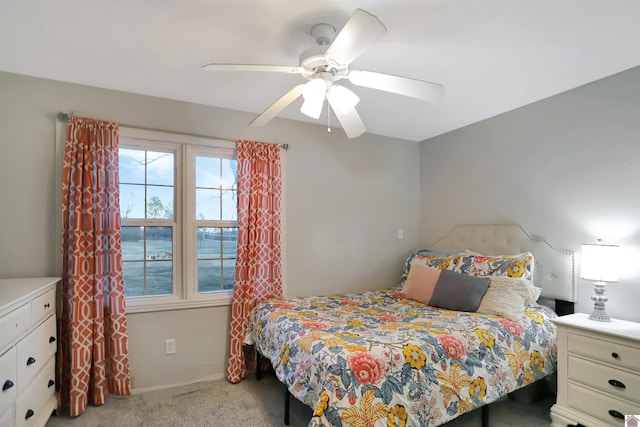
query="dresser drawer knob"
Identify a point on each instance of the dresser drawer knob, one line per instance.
(617, 383)
(7, 385)
(614, 355)
(31, 361)
(51, 382)
(29, 414)
(616, 414)
(47, 305)
(52, 339)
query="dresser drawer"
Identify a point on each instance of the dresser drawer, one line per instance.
(598, 405)
(7, 418)
(14, 324)
(608, 351)
(8, 380)
(43, 306)
(34, 350)
(604, 378)
(31, 406)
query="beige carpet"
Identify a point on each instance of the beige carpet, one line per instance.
(252, 403)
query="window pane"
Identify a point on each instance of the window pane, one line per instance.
(132, 243)
(229, 206)
(229, 173)
(228, 273)
(207, 204)
(216, 258)
(133, 279)
(159, 241)
(160, 278)
(229, 242)
(159, 202)
(209, 242)
(160, 168)
(209, 275)
(131, 166)
(207, 172)
(131, 201)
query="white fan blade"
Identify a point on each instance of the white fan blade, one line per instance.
(356, 35)
(251, 67)
(401, 85)
(349, 120)
(275, 108)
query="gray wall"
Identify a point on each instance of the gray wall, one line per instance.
(566, 168)
(344, 202)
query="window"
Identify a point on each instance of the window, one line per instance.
(179, 219)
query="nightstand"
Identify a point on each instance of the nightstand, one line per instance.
(598, 371)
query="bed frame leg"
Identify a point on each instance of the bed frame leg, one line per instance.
(287, 398)
(485, 415)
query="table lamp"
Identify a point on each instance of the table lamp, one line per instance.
(599, 263)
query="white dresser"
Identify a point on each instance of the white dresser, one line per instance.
(28, 345)
(598, 371)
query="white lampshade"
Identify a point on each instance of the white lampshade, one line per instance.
(600, 263)
(313, 93)
(342, 98)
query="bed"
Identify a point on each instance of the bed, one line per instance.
(387, 357)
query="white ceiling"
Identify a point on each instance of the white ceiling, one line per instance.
(491, 56)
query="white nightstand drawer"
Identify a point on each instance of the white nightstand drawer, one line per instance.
(611, 352)
(35, 350)
(599, 405)
(611, 380)
(8, 380)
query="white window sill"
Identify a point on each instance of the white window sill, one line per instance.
(151, 304)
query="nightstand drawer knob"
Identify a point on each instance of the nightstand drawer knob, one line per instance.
(617, 383)
(616, 414)
(614, 355)
(7, 385)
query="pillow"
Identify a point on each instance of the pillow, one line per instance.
(508, 297)
(445, 288)
(518, 265)
(432, 258)
(421, 283)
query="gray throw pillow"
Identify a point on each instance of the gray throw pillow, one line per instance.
(456, 291)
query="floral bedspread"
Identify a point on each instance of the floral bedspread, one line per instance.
(377, 358)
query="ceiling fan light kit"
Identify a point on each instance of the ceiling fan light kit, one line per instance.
(326, 64)
(313, 93)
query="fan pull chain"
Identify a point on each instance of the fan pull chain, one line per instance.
(328, 119)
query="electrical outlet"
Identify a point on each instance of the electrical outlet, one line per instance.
(170, 346)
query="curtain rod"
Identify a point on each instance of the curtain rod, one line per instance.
(64, 117)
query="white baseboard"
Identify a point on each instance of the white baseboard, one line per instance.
(139, 390)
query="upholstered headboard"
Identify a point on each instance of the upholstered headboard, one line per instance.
(554, 269)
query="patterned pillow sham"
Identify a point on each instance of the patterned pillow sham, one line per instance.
(474, 264)
(432, 258)
(518, 266)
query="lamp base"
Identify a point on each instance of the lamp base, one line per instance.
(598, 303)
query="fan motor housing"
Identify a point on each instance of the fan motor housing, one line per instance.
(315, 60)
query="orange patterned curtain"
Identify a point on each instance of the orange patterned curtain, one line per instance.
(258, 270)
(94, 355)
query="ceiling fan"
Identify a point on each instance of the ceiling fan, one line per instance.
(328, 63)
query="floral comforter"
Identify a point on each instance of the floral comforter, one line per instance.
(377, 358)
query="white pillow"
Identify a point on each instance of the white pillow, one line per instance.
(508, 297)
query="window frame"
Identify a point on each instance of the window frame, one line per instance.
(187, 147)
